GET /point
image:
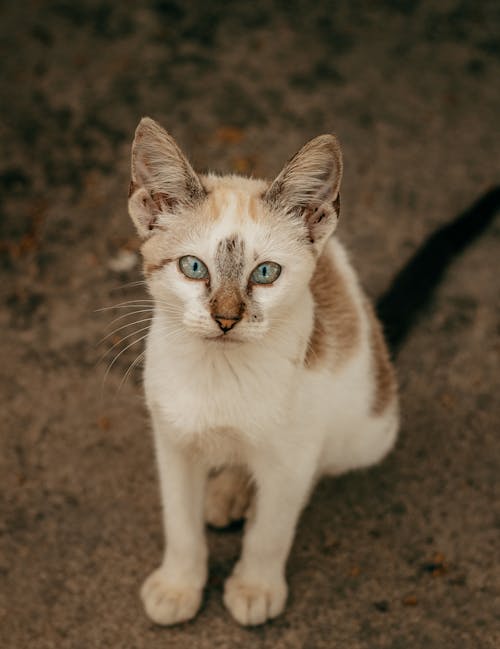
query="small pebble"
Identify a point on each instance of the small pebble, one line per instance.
(125, 260)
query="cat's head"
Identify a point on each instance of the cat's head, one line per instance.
(228, 257)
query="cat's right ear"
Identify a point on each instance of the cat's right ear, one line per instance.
(162, 178)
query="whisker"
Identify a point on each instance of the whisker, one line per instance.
(126, 315)
(149, 309)
(134, 342)
(129, 324)
(128, 285)
(141, 303)
(133, 333)
(130, 368)
(130, 303)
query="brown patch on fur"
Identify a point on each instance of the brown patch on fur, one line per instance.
(215, 205)
(227, 302)
(245, 205)
(336, 319)
(255, 209)
(230, 258)
(222, 445)
(385, 378)
(229, 496)
(150, 268)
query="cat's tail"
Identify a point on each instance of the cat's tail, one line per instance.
(412, 288)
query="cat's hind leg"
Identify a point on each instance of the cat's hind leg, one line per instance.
(229, 496)
(361, 443)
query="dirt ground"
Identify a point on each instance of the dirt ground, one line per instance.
(402, 556)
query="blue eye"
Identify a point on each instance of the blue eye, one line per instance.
(266, 273)
(193, 267)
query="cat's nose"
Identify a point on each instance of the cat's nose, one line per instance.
(225, 322)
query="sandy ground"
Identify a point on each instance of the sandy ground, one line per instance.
(402, 556)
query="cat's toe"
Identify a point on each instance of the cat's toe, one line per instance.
(228, 497)
(167, 603)
(251, 604)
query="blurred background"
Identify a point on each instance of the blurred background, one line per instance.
(404, 555)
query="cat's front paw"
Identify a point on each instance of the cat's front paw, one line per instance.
(166, 603)
(254, 603)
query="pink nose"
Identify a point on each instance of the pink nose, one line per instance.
(226, 323)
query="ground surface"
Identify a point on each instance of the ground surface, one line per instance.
(402, 556)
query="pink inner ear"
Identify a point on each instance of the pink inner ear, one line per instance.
(316, 218)
(312, 218)
(145, 207)
(162, 200)
(159, 201)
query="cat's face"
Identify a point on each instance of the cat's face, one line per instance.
(227, 257)
(233, 268)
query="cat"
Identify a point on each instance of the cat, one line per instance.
(265, 364)
(264, 356)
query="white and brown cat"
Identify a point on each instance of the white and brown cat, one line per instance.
(265, 365)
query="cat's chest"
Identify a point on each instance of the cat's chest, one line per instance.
(198, 393)
(217, 446)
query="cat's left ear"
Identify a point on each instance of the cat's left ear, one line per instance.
(162, 178)
(308, 188)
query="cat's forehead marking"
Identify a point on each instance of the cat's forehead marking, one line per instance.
(237, 205)
(230, 257)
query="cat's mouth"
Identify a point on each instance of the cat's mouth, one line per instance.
(223, 339)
